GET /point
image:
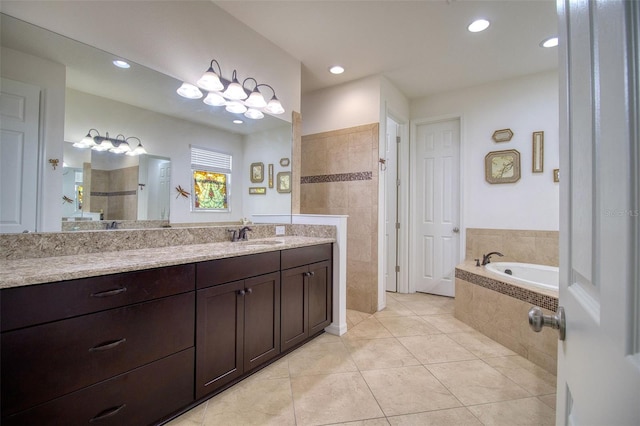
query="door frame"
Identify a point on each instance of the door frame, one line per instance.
(403, 207)
(414, 123)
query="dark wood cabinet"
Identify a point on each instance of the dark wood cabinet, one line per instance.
(137, 347)
(305, 294)
(53, 359)
(70, 349)
(142, 396)
(238, 323)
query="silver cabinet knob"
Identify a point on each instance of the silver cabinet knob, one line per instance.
(537, 320)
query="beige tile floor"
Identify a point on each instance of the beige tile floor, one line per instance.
(411, 364)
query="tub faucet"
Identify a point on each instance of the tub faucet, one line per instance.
(486, 258)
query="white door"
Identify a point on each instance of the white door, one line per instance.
(19, 127)
(390, 173)
(599, 362)
(435, 210)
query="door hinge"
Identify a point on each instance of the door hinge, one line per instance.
(397, 225)
(397, 268)
(397, 182)
(397, 139)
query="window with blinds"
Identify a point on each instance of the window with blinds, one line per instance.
(211, 181)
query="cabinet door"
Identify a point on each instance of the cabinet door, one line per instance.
(261, 319)
(319, 305)
(219, 340)
(295, 321)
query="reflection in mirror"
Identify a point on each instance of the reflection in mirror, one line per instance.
(106, 186)
(143, 103)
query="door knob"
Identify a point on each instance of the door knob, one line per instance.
(537, 320)
(456, 230)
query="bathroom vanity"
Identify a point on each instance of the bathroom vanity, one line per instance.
(141, 345)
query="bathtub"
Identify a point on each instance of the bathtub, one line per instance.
(540, 276)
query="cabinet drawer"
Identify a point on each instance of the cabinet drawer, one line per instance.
(43, 362)
(37, 304)
(304, 255)
(139, 397)
(220, 271)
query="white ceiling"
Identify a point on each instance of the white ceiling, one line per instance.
(421, 46)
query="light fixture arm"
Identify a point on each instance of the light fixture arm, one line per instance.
(255, 88)
(264, 84)
(219, 69)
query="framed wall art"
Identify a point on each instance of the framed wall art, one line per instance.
(284, 182)
(537, 163)
(502, 135)
(502, 166)
(270, 175)
(257, 190)
(257, 172)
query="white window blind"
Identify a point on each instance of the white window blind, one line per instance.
(206, 159)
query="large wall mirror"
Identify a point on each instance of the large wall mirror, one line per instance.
(142, 103)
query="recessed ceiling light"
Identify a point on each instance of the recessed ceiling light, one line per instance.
(238, 121)
(336, 69)
(478, 25)
(550, 42)
(121, 64)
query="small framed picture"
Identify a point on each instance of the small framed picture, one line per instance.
(502, 135)
(257, 172)
(284, 162)
(502, 166)
(270, 175)
(257, 190)
(537, 164)
(284, 182)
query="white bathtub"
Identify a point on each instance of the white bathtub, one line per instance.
(540, 276)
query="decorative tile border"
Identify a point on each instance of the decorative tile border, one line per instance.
(111, 194)
(537, 299)
(338, 177)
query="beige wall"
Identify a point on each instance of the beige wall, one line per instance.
(339, 175)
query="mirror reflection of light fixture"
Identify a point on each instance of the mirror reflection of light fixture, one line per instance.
(189, 91)
(234, 96)
(117, 145)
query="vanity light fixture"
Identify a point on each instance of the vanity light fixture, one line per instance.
(236, 97)
(478, 25)
(549, 42)
(189, 91)
(117, 145)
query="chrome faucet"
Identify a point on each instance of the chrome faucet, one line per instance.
(486, 258)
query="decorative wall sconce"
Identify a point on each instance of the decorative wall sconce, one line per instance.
(117, 145)
(235, 97)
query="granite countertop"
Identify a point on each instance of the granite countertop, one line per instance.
(22, 272)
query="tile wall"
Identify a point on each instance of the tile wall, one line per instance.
(115, 193)
(539, 247)
(339, 175)
(505, 320)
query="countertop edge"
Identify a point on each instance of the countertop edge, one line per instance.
(25, 272)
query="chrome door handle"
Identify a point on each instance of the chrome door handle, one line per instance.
(456, 230)
(537, 320)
